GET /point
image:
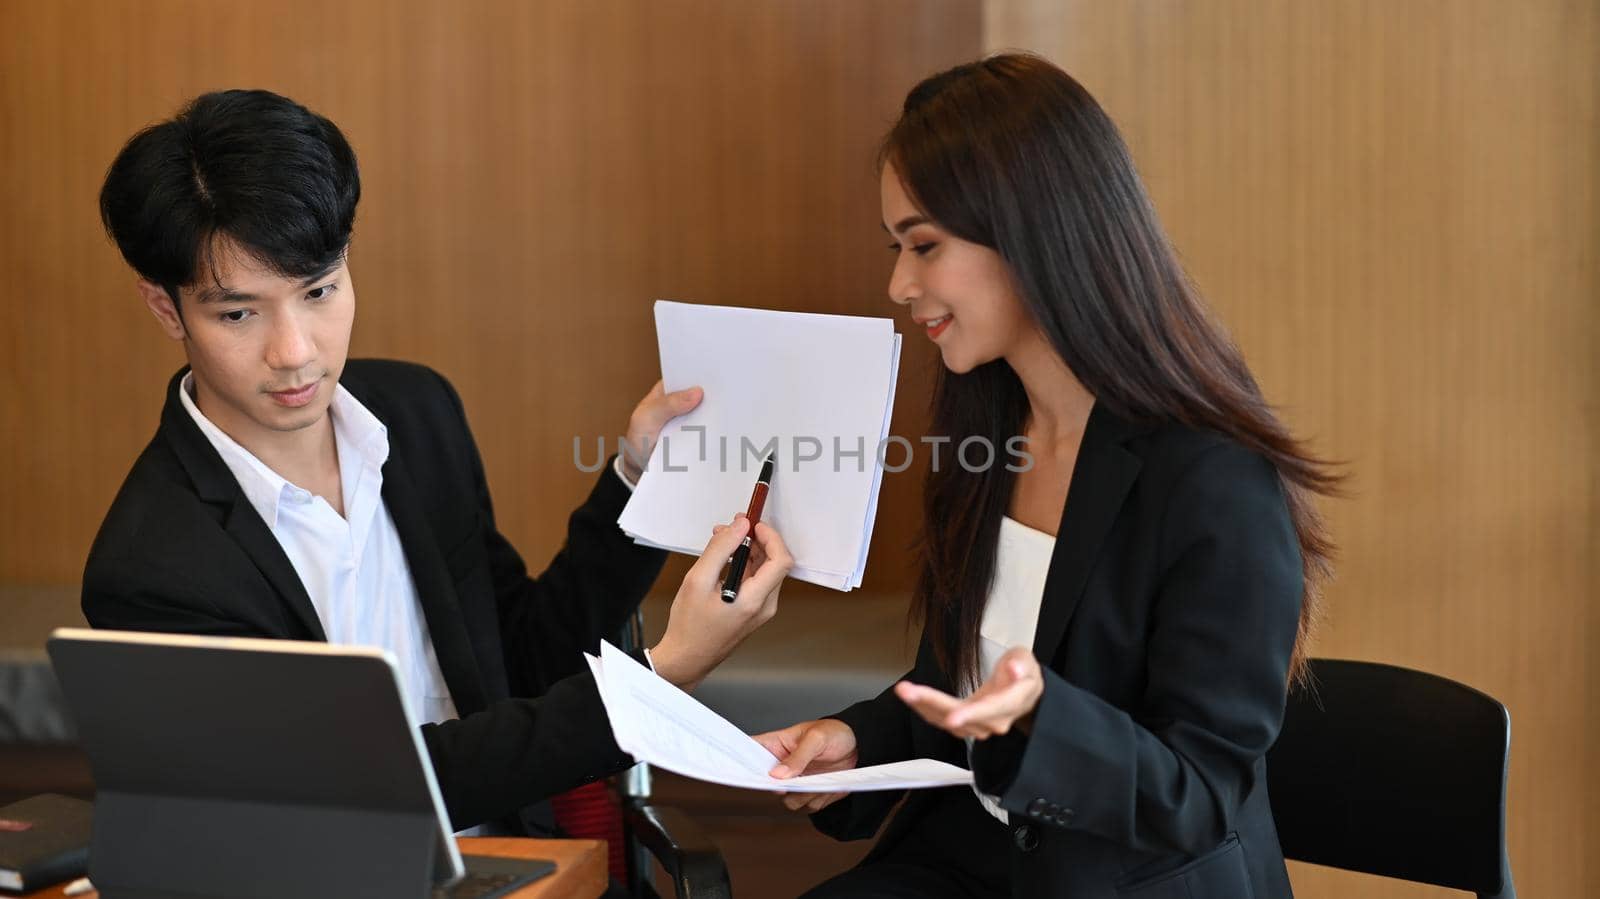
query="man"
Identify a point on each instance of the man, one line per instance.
(289, 494)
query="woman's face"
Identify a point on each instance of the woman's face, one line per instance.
(960, 294)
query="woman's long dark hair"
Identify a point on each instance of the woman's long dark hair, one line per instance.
(1011, 153)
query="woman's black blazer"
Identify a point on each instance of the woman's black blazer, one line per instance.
(1168, 618)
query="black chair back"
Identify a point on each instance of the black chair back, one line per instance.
(1394, 772)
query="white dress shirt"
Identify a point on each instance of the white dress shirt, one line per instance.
(1011, 615)
(353, 568)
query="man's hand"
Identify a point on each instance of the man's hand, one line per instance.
(644, 426)
(811, 747)
(702, 628)
(1006, 700)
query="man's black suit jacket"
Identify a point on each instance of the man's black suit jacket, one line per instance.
(183, 551)
(1169, 613)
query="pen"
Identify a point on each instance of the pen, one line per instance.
(741, 556)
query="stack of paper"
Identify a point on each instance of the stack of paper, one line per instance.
(818, 389)
(655, 722)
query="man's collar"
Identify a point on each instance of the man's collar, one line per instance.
(262, 487)
(356, 430)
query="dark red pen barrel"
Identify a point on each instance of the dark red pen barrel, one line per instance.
(757, 500)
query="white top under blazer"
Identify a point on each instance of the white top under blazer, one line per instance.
(1011, 615)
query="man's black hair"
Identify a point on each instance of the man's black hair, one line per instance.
(275, 178)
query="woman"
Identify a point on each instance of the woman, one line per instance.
(1108, 636)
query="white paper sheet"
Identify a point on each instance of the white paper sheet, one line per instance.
(655, 722)
(807, 384)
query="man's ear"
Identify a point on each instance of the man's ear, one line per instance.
(163, 308)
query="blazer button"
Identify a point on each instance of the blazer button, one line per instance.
(1026, 838)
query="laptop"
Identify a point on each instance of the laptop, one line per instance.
(235, 767)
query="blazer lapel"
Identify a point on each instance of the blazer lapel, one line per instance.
(436, 591)
(1101, 478)
(256, 539)
(214, 484)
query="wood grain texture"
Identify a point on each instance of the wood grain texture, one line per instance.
(580, 872)
(534, 175)
(1394, 208)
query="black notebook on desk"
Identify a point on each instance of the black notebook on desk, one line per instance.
(43, 840)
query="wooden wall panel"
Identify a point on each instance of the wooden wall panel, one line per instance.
(1394, 207)
(535, 174)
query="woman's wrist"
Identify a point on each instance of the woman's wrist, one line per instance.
(674, 667)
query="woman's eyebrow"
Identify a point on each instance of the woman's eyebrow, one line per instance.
(910, 221)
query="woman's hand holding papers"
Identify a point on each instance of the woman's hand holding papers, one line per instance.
(702, 628)
(811, 747)
(644, 426)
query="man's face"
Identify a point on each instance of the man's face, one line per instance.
(266, 351)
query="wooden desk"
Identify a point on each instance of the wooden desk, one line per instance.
(580, 866)
(581, 870)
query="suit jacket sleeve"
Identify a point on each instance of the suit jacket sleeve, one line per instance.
(1171, 774)
(521, 751)
(882, 735)
(586, 593)
(883, 726)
